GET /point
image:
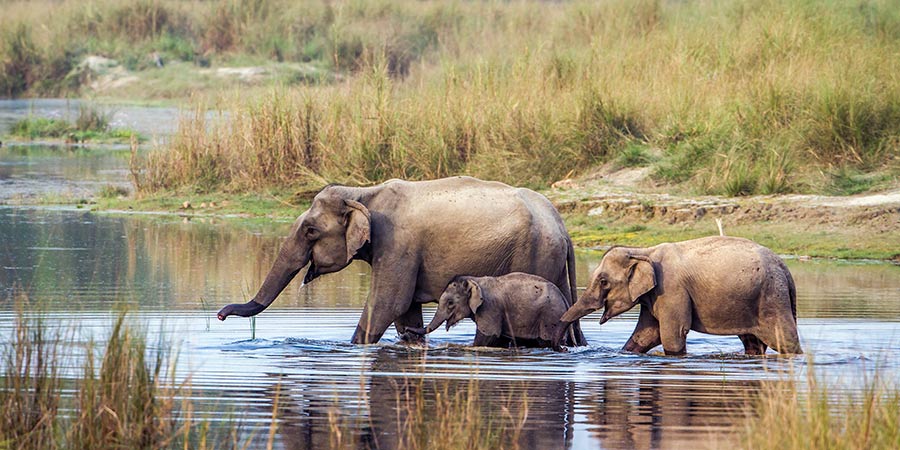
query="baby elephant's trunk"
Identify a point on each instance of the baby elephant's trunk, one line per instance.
(440, 316)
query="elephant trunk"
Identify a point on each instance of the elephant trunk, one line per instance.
(290, 261)
(577, 311)
(440, 316)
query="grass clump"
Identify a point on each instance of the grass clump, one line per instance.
(129, 401)
(91, 124)
(789, 416)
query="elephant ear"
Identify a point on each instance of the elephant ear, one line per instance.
(475, 296)
(488, 322)
(641, 277)
(357, 218)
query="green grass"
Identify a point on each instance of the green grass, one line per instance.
(783, 238)
(90, 125)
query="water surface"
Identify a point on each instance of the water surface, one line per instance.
(174, 273)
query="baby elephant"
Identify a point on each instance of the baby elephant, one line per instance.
(715, 285)
(515, 309)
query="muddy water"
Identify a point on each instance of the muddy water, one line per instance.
(172, 274)
(175, 273)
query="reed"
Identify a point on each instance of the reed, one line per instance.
(437, 414)
(526, 94)
(789, 415)
(130, 400)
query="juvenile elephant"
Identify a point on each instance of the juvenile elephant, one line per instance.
(716, 285)
(417, 236)
(517, 308)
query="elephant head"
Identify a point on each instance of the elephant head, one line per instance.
(327, 237)
(461, 299)
(624, 275)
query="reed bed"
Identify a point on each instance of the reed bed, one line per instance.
(789, 415)
(129, 400)
(125, 396)
(717, 97)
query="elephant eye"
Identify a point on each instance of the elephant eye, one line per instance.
(604, 283)
(312, 233)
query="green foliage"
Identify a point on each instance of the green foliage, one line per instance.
(634, 155)
(37, 127)
(844, 180)
(91, 124)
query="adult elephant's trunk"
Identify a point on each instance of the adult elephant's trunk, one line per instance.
(292, 257)
(440, 316)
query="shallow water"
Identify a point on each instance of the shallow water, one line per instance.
(30, 173)
(174, 273)
(150, 121)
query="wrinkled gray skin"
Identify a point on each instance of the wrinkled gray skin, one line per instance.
(417, 236)
(715, 285)
(517, 308)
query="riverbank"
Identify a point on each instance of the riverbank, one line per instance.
(599, 214)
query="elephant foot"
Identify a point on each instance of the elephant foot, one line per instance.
(413, 336)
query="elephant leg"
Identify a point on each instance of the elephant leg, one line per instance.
(782, 336)
(645, 335)
(674, 338)
(390, 298)
(483, 340)
(753, 345)
(412, 318)
(675, 310)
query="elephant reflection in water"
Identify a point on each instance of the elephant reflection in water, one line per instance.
(311, 412)
(665, 413)
(499, 403)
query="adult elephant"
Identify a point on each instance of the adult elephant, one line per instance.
(417, 236)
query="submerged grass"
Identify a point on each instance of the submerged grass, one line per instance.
(790, 416)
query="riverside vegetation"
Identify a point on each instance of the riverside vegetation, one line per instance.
(716, 97)
(91, 124)
(132, 400)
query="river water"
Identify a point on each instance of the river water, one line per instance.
(173, 273)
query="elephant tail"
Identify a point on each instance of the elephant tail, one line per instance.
(576, 337)
(792, 292)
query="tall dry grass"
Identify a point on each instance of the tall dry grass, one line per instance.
(789, 415)
(721, 97)
(129, 401)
